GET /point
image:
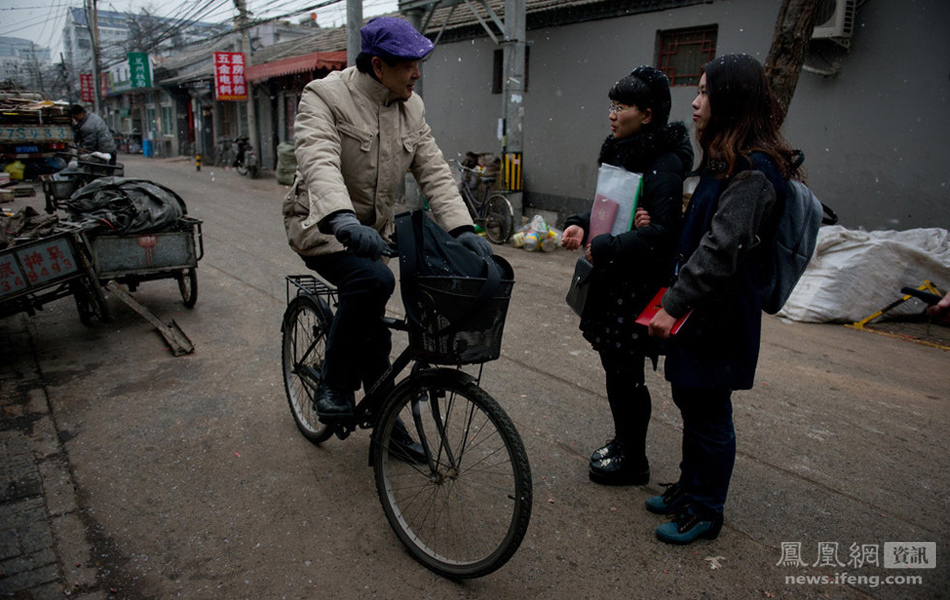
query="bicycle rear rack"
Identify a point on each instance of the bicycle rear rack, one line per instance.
(309, 285)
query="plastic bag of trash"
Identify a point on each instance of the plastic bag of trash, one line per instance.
(855, 273)
(127, 205)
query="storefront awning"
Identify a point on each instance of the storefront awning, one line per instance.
(296, 64)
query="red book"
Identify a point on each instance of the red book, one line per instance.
(654, 307)
(602, 215)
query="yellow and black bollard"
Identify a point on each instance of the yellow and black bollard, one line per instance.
(197, 162)
(514, 178)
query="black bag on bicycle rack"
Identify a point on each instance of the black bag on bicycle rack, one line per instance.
(456, 301)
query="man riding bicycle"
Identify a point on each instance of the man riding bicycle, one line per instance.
(357, 132)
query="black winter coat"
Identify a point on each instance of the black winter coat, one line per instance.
(720, 253)
(630, 267)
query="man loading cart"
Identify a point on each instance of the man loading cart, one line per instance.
(91, 132)
(357, 132)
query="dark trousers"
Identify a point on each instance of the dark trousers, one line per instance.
(709, 447)
(629, 400)
(359, 344)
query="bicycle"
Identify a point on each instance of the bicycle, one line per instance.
(492, 212)
(449, 466)
(245, 158)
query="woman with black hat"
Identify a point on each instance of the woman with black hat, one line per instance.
(631, 266)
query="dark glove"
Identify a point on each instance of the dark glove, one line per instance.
(362, 240)
(475, 243)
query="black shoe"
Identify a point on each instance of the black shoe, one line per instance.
(620, 470)
(609, 450)
(333, 405)
(402, 447)
(673, 500)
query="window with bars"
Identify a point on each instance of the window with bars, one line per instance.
(681, 53)
(168, 116)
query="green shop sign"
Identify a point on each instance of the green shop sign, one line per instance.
(139, 74)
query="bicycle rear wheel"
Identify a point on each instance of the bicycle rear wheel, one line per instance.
(465, 513)
(304, 334)
(499, 219)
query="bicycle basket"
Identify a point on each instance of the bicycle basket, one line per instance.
(448, 332)
(456, 301)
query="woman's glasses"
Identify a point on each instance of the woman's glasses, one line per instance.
(616, 109)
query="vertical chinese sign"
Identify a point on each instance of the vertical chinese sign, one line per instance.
(229, 83)
(140, 70)
(87, 94)
(136, 73)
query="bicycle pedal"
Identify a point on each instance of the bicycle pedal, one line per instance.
(342, 432)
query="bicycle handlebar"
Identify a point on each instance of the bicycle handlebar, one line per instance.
(469, 169)
(927, 297)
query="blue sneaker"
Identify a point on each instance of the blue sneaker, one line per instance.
(688, 527)
(673, 500)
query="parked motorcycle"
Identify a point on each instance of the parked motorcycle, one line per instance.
(245, 158)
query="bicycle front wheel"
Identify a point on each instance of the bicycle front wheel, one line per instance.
(452, 475)
(304, 333)
(499, 219)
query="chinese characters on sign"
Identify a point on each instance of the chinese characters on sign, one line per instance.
(229, 83)
(140, 72)
(35, 265)
(85, 84)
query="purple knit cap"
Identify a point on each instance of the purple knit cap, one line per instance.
(395, 37)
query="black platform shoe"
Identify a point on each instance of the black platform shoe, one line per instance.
(620, 470)
(608, 450)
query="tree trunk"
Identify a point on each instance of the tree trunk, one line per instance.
(793, 29)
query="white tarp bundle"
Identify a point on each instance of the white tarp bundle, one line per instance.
(857, 273)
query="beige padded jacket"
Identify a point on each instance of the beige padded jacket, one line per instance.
(354, 145)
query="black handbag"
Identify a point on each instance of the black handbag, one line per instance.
(580, 286)
(456, 301)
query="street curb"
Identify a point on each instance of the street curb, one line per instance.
(44, 550)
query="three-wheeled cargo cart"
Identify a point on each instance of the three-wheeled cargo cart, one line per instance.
(61, 186)
(37, 271)
(130, 259)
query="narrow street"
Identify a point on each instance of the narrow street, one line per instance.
(191, 480)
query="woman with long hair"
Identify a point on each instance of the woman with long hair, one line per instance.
(730, 219)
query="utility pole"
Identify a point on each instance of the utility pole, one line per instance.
(513, 87)
(92, 20)
(414, 16)
(66, 82)
(246, 49)
(36, 67)
(354, 20)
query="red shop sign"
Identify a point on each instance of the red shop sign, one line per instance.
(229, 82)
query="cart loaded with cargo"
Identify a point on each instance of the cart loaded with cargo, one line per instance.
(117, 230)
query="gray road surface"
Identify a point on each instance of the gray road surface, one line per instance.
(191, 480)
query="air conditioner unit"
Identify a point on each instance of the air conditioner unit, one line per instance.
(835, 20)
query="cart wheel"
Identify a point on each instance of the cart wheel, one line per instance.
(90, 301)
(188, 286)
